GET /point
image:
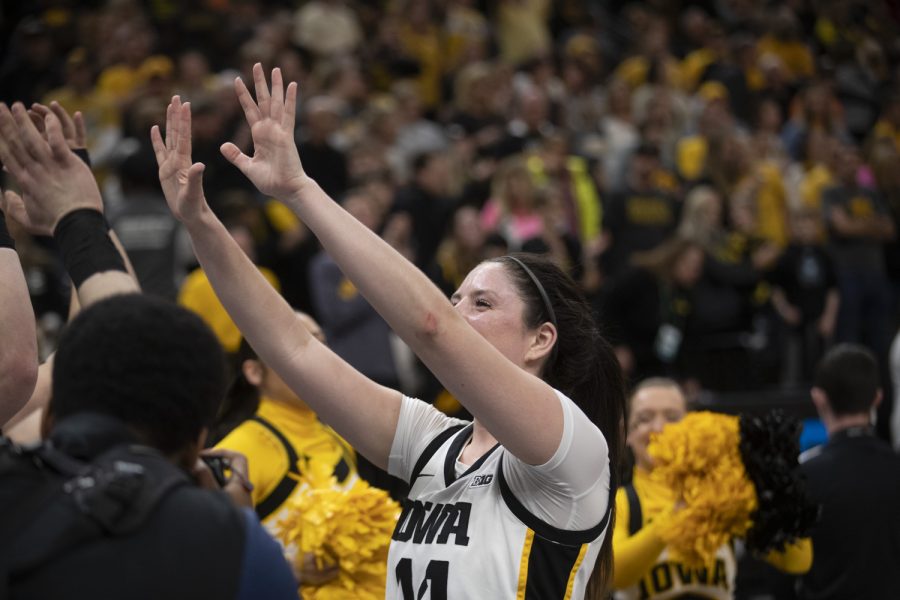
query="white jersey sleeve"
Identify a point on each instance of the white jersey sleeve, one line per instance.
(417, 426)
(571, 490)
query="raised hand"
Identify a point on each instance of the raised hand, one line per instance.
(75, 134)
(73, 127)
(275, 167)
(54, 181)
(181, 180)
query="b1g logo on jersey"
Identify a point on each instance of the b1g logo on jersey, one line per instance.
(481, 480)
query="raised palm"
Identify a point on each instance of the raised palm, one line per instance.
(275, 167)
(54, 181)
(181, 180)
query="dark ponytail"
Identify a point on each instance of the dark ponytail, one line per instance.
(583, 366)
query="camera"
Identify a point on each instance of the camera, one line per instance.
(218, 465)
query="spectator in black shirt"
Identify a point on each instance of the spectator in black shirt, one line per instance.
(805, 295)
(427, 202)
(646, 310)
(856, 479)
(641, 216)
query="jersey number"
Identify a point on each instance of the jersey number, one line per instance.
(435, 578)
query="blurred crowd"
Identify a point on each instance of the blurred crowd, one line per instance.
(720, 176)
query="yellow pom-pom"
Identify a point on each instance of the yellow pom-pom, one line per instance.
(699, 459)
(351, 527)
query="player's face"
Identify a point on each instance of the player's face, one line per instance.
(490, 302)
(652, 408)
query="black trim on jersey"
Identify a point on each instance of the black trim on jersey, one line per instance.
(453, 454)
(430, 450)
(635, 514)
(545, 530)
(549, 568)
(286, 486)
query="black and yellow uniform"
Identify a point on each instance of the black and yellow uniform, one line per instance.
(643, 569)
(278, 440)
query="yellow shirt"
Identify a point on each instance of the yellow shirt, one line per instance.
(643, 568)
(771, 205)
(690, 156)
(267, 456)
(425, 47)
(813, 184)
(635, 69)
(885, 130)
(795, 55)
(197, 295)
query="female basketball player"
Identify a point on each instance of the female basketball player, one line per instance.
(515, 504)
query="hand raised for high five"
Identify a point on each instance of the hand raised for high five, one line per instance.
(181, 180)
(73, 127)
(275, 167)
(75, 134)
(55, 182)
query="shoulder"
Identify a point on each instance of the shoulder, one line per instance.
(426, 416)
(264, 571)
(208, 511)
(253, 439)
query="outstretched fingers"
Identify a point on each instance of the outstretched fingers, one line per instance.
(32, 141)
(56, 137)
(80, 130)
(290, 107)
(68, 125)
(183, 146)
(251, 110)
(159, 146)
(193, 187)
(277, 101)
(235, 156)
(172, 123)
(11, 151)
(262, 90)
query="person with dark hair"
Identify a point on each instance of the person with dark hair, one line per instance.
(518, 502)
(112, 505)
(855, 477)
(646, 506)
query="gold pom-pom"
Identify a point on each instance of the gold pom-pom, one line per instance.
(351, 527)
(699, 459)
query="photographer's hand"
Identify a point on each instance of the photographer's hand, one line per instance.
(238, 486)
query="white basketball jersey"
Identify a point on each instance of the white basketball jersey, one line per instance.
(463, 535)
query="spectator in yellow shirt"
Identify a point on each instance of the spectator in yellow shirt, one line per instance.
(280, 436)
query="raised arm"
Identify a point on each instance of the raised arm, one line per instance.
(362, 411)
(36, 149)
(63, 198)
(519, 409)
(18, 339)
